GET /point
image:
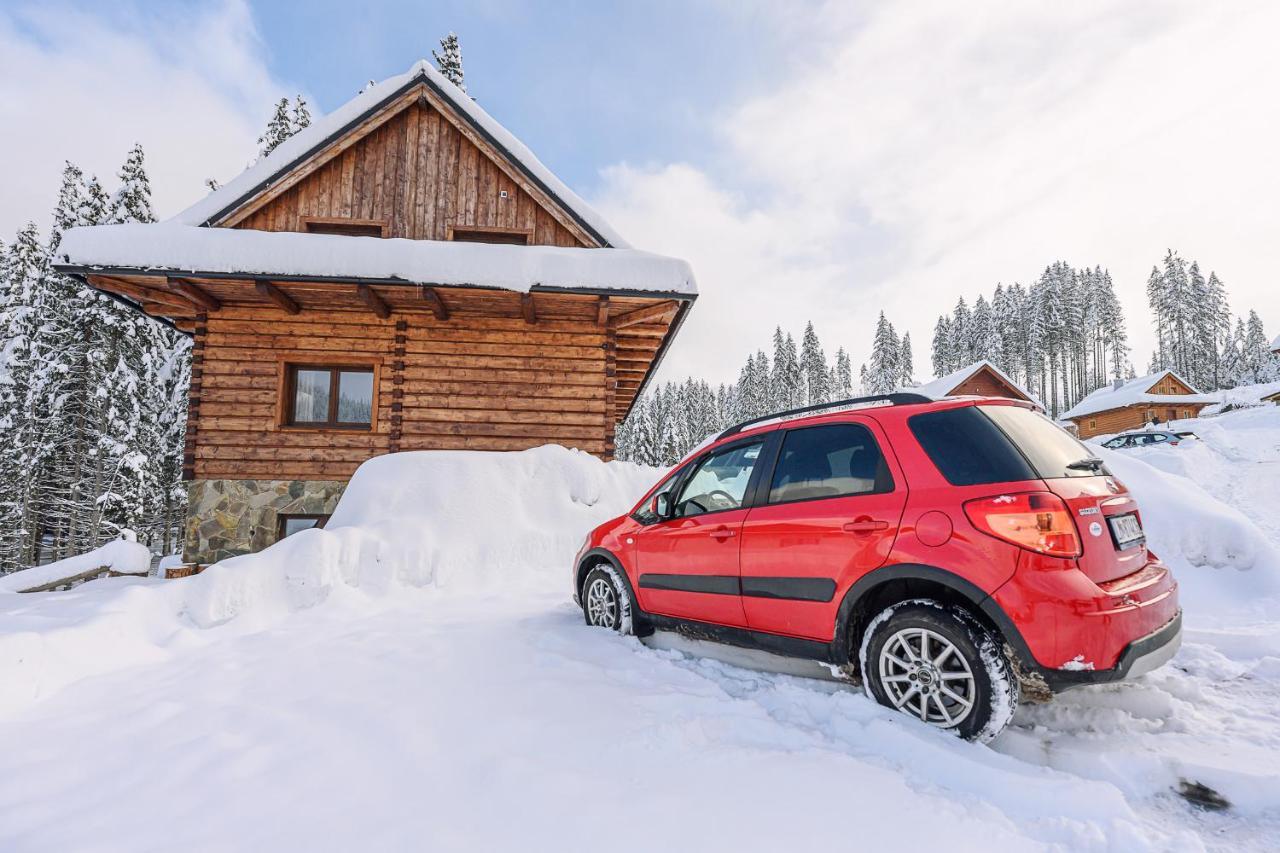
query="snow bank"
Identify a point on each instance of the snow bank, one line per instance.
(187, 249)
(450, 520)
(125, 557)
(1221, 558)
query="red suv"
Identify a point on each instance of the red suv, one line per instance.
(951, 554)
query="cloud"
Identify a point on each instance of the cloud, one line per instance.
(190, 83)
(930, 150)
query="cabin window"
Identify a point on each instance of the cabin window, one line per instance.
(1093, 422)
(489, 235)
(346, 227)
(330, 397)
(291, 524)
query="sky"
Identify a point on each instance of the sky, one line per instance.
(813, 161)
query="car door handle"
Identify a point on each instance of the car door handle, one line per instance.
(720, 534)
(864, 525)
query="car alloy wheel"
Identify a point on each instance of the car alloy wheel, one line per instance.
(926, 676)
(602, 603)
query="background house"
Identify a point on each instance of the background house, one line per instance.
(401, 275)
(980, 379)
(1132, 404)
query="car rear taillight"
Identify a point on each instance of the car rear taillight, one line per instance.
(1037, 521)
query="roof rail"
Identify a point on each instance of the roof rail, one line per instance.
(899, 399)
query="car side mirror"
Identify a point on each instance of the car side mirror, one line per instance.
(660, 506)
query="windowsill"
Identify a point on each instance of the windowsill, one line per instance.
(323, 428)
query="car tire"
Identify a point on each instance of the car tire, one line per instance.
(607, 601)
(937, 663)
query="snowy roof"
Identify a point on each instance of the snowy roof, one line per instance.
(189, 250)
(944, 385)
(308, 141)
(1275, 344)
(1132, 393)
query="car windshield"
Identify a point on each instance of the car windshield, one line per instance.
(1050, 449)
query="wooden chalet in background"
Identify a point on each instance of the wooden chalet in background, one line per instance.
(1132, 404)
(980, 379)
(401, 275)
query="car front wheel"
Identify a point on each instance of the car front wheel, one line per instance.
(935, 662)
(606, 600)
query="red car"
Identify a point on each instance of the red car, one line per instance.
(947, 553)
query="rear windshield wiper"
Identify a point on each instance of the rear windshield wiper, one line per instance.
(1089, 463)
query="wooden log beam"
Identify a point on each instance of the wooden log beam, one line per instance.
(373, 301)
(602, 310)
(527, 308)
(202, 298)
(142, 293)
(436, 302)
(650, 313)
(281, 299)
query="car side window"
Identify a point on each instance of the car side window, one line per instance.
(830, 461)
(643, 515)
(720, 481)
(1159, 438)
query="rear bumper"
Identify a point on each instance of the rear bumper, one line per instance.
(1138, 658)
(1073, 631)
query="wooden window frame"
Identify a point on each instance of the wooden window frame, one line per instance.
(382, 225)
(452, 230)
(287, 368)
(320, 518)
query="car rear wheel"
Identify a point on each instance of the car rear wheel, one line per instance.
(606, 600)
(938, 664)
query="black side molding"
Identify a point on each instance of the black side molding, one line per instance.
(785, 588)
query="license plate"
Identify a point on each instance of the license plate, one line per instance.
(1126, 530)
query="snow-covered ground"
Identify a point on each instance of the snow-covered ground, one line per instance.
(414, 677)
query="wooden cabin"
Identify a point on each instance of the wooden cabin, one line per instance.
(980, 379)
(402, 275)
(1133, 404)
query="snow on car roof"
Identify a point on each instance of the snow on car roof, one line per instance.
(190, 250)
(310, 139)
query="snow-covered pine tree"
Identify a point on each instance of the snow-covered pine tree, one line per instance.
(940, 352)
(1219, 336)
(449, 60)
(885, 369)
(132, 200)
(960, 348)
(813, 366)
(279, 128)
(1255, 353)
(843, 375)
(300, 116)
(906, 363)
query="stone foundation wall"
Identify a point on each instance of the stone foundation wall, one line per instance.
(226, 518)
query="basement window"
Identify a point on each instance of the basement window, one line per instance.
(346, 227)
(291, 524)
(326, 397)
(489, 235)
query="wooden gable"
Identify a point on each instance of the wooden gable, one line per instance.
(416, 170)
(985, 382)
(1170, 384)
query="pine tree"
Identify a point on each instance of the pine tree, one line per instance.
(906, 363)
(940, 354)
(885, 369)
(279, 128)
(843, 375)
(813, 366)
(301, 115)
(449, 60)
(132, 201)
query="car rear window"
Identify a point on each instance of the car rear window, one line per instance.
(969, 448)
(1048, 447)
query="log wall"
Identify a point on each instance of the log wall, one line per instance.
(1132, 417)
(490, 384)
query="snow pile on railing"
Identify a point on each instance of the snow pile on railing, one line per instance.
(121, 556)
(444, 520)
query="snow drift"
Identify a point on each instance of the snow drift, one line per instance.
(447, 520)
(119, 555)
